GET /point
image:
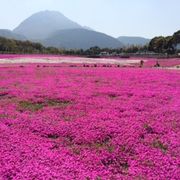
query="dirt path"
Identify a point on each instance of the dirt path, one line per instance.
(76, 60)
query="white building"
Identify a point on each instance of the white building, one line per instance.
(104, 53)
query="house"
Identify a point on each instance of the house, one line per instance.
(104, 53)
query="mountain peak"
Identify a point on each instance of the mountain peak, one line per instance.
(42, 24)
(48, 12)
(52, 28)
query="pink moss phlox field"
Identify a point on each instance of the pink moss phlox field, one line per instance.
(89, 123)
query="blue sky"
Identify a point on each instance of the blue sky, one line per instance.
(146, 18)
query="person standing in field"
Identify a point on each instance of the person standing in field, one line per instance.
(141, 63)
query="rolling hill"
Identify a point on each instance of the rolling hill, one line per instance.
(81, 39)
(130, 40)
(11, 35)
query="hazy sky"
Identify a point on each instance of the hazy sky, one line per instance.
(146, 18)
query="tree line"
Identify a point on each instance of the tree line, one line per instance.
(168, 45)
(161, 45)
(27, 47)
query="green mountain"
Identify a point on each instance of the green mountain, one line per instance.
(81, 39)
